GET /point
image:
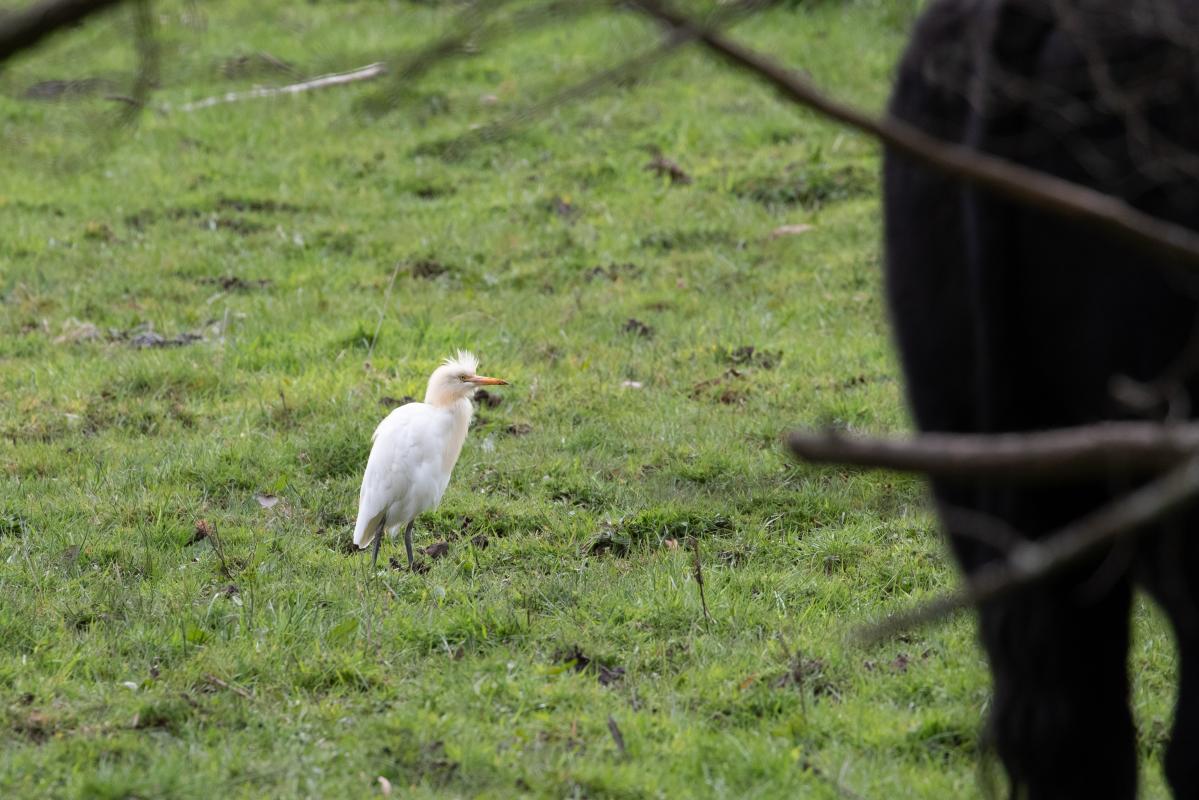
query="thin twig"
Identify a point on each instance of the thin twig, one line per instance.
(466, 25)
(237, 690)
(366, 645)
(583, 88)
(632, 66)
(383, 310)
(218, 547)
(1029, 186)
(617, 736)
(473, 26)
(698, 572)
(369, 72)
(983, 528)
(1035, 561)
(391, 591)
(1062, 454)
(795, 668)
(146, 45)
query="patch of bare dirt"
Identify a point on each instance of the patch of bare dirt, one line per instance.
(662, 166)
(576, 659)
(613, 272)
(437, 549)
(234, 283)
(486, 398)
(638, 328)
(427, 268)
(720, 388)
(749, 356)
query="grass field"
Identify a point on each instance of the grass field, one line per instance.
(257, 242)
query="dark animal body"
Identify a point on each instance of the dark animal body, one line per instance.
(1010, 319)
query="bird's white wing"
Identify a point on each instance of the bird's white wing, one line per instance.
(402, 476)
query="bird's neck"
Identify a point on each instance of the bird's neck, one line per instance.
(441, 396)
(461, 410)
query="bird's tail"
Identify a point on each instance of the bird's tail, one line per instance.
(366, 528)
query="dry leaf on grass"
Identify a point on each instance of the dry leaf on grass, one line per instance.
(790, 230)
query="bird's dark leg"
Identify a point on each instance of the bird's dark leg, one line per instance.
(408, 543)
(378, 542)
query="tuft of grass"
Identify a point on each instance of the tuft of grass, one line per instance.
(811, 185)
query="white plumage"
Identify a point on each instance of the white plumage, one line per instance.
(413, 452)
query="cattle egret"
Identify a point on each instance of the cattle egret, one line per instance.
(413, 453)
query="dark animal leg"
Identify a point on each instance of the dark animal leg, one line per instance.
(378, 542)
(408, 543)
(1060, 718)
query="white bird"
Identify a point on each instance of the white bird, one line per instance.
(414, 451)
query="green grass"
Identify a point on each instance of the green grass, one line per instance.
(136, 665)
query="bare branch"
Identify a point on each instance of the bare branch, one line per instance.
(472, 27)
(223, 684)
(1062, 454)
(468, 23)
(631, 67)
(1035, 561)
(146, 43)
(1029, 186)
(987, 530)
(366, 73)
(21, 30)
(584, 88)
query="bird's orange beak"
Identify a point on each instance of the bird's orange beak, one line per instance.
(482, 380)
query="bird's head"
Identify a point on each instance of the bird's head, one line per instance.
(457, 378)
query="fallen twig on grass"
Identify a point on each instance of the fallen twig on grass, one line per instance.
(1054, 455)
(221, 684)
(369, 72)
(1035, 561)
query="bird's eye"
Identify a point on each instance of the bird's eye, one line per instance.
(463, 377)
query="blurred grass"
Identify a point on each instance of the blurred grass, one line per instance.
(133, 665)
